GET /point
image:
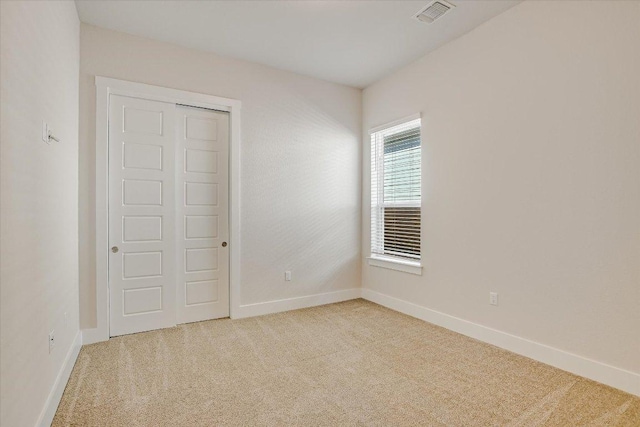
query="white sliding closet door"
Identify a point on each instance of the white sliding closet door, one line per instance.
(202, 186)
(142, 274)
(168, 214)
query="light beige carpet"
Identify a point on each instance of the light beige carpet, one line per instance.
(352, 363)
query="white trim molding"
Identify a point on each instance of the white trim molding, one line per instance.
(395, 264)
(395, 123)
(277, 306)
(51, 405)
(106, 87)
(579, 365)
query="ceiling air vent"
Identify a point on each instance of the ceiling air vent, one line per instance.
(433, 11)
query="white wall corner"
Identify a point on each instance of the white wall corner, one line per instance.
(610, 375)
(51, 405)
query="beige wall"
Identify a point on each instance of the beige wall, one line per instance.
(531, 148)
(38, 201)
(300, 176)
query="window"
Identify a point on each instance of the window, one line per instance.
(396, 192)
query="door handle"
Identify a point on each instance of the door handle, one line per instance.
(115, 249)
(224, 244)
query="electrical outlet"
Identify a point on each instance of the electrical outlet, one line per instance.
(287, 276)
(52, 340)
(493, 298)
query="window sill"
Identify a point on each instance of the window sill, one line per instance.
(396, 264)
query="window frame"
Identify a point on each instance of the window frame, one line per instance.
(398, 263)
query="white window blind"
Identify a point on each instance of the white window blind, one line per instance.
(396, 191)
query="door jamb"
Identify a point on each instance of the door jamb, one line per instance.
(108, 86)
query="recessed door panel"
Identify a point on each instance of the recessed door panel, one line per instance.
(141, 228)
(204, 259)
(202, 161)
(145, 119)
(142, 156)
(141, 264)
(201, 226)
(201, 128)
(141, 192)
(145, 300)
(201, 292)
(201, 194)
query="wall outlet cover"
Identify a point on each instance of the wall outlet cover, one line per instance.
(52, 340)
(493, 298)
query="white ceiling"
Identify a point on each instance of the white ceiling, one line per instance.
(349, 42)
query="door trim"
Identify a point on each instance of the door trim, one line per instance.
(104, 88)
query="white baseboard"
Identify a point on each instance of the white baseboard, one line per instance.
(597, 371)
(94, 335)
(50, 407)
(277, 306)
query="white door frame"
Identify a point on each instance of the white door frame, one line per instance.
(104, 88)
